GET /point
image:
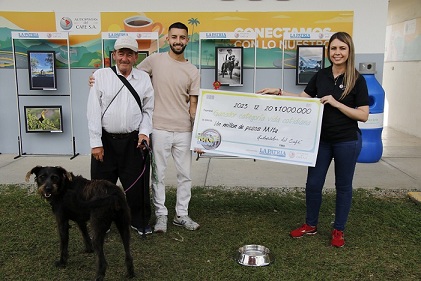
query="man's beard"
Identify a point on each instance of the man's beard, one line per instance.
(176, 51)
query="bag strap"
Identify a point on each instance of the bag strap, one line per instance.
(102, 116)
(129, 86)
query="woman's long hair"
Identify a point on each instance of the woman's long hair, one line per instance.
(351, 74)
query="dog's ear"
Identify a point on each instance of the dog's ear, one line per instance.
(69, 176)
(35, 170)
(65, 173)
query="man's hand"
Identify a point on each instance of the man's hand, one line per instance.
(198, 151)
(91, 80)
(268, 91)
(98, 153)
(141, 142)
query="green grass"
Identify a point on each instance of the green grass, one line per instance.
(382, 240)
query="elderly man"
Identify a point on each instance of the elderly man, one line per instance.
(120, 122)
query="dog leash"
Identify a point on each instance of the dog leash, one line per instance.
(144, 166)
(141, 174)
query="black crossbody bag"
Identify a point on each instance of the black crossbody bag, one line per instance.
(129, 86)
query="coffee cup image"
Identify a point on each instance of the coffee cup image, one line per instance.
(142, 24)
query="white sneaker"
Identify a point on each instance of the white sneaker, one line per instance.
(186, 222)
(148, 229)
(161, 224)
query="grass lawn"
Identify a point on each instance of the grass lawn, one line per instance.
(383, 240)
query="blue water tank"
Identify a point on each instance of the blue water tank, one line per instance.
(372, 145)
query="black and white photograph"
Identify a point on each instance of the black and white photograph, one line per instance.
(42, 70)
(310, 59)
(229, 66)
(43, 119)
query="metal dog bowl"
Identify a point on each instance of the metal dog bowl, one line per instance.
(254, 255)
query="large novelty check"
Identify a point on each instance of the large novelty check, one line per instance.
(265, 127)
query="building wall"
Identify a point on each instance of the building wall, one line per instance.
(401, 75)
(369, 36)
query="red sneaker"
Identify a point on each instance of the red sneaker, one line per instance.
(304, 229)
(337, 238)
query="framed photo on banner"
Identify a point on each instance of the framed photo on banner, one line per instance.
(229, 66)
(42, 70)
(43, 119)
(310, 59)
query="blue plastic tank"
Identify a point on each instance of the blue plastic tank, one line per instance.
(372, 145)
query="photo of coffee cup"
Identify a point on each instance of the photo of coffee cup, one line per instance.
(142, 24)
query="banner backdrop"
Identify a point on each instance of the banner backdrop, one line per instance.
(85, 33)
(265, 127)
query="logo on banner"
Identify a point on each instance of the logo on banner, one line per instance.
(115, 35)
(272, 152)
(300, 35)
(78, 23)
(216, 35)
(66, 23)
(28, 35)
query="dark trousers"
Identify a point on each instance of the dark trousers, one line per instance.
(345, 155)
(124, 161)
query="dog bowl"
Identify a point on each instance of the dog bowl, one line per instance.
(254, 255)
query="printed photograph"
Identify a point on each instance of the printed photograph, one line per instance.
(42, 70)
(43, 119)
(229, 66)
(310, 59)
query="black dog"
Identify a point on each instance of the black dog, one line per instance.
(78, 199)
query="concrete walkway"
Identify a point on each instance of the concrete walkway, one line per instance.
(399, 169)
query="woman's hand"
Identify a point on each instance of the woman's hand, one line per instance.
(269, 91)
(330, 100)
(359, 114)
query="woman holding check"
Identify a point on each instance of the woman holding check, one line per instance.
(344, 93)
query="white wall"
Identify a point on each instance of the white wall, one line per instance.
(401, 80)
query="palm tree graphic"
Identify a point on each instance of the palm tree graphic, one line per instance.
(194, 22)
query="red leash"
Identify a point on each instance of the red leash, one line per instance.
(144, 166)
(141, 174)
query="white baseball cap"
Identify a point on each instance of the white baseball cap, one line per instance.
(126, 42)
